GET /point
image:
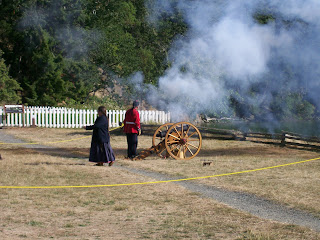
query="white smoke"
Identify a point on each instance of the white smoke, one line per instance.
(225, 48)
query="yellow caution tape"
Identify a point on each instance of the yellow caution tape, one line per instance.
(62, 141)
(165, 181)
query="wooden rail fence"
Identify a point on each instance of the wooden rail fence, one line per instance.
(285, 139)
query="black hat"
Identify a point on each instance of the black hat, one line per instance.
(135, 103)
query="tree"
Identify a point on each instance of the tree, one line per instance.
(8, 86)
(55, 48)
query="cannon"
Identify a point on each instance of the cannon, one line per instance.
(181, 141)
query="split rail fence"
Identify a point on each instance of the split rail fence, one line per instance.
(284, 139)
(52, 117)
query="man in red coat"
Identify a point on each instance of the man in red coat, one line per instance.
(132, 129)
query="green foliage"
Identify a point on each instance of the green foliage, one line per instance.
(62, 52)
(127, 43)
(36, 52)
(93, 102)
(263, 18)
(8, 86)
(44, 84)
(55, 48)
(80, 77)
(292, 106)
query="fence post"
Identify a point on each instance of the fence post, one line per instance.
(76, 118)
(80, 118)
(109, 117)
(244, 138)
(157, 117)
(87, 117)
(15, 122)
(149, 116)
(11, 119)
(117, 118)
(42, 117)
(20, 120)
(64, 117)
(283, 140)
(33, 116)
(70, 118)
(1, 117)
(95, 115)
(84, 117)
(114, 118)
(38, 116)
(141, 116)
(91, 117)
(50, 115)
(73, 117)
(58, 117)
(54, 117)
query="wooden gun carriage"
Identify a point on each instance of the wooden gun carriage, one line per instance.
(181, 141)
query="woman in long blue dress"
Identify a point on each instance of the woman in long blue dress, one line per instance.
(101, 151)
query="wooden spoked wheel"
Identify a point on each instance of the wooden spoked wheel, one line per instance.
(159, 138)
(183, 141)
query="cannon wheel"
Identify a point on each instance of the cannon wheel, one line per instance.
(183, 141)
(156, 140)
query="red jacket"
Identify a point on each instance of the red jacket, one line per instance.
(132, 121)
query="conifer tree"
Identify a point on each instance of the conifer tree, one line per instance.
(8, 86)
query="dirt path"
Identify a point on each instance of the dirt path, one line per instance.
(242, 201)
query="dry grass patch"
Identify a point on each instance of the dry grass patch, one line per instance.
(296, 185)
(162, 211)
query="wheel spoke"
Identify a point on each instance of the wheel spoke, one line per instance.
(185, 149)
(172, 149)
(192, 145)
(192, 134)
(172, 142)
(177, 132)
(162, 151)
(158, 135)
(178, 154)
(193, 140)
(190, 150)
(188, 130)
(181, 130)
(174, 136)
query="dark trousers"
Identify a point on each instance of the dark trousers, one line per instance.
(132, 140)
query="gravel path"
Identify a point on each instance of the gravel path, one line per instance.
(242, 201)
(249, 203)
(7, 138)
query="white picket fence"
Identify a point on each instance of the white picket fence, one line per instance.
(55, 117)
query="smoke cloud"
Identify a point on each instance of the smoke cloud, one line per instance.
(226, 52)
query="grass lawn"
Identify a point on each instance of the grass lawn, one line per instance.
(162, 211)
